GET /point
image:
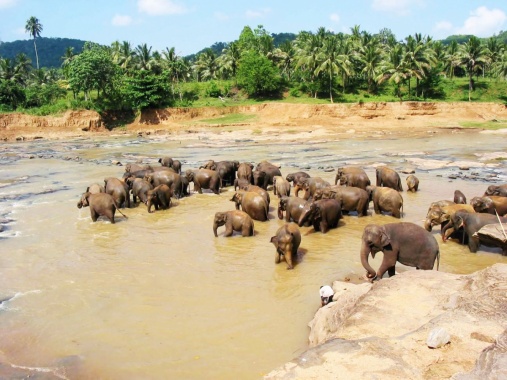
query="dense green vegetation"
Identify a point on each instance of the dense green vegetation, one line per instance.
(310, 67)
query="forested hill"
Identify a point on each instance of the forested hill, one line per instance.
(51, 50)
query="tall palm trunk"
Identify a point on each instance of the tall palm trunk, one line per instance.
(36, 54)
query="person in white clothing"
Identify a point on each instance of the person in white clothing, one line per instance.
(326, 295)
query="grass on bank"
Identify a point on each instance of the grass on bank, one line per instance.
(232, 118)
(490, 125)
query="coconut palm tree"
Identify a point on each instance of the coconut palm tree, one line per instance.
(229, 60)
(370, 56)
(394, 69)
(34, 28)
(308, 47)
(144, 58)
(472, 57)
(452, 58)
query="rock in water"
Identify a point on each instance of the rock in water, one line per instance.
(438, 337)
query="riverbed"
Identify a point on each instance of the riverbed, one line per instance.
(157, 296)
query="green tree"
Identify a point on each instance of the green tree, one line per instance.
(472, 58)
(370, 56)
(257, 75)
(34, 28)
(228, 62)
(145, 90)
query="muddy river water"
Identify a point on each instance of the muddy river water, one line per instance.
(157, 296)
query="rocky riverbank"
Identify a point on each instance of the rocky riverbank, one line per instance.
(380, 331)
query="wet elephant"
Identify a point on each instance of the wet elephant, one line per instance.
(402, 242)
(387, 177)
(234, 220)
(256, 189)
(252, 203)
(295, 178)
(500, 190)
(139, 188)
(491, 204)
(459, 197)
(166, 177)
(271, 171)
(471, 223)
(412, 183)
(159, 197)
(101, 204)
(204, 179)
(310, 185)
(281, 187)
(293, 207)
(245, 171)
(352, 199)
(119, 190)
(287, 241)
(323, 214)
(129, 168)
(225, 169)
(168, 162)
(386, 200)
(352, 176)
(440, 215)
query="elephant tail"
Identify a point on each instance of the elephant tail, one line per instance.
(118, 209)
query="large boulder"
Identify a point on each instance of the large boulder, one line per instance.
(381, 330)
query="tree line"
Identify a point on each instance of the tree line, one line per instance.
(317, 64)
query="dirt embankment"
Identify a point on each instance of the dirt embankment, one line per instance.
(339, 118)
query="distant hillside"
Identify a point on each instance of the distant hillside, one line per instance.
(50, 50)
(462, 38)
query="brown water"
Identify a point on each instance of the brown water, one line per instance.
(157, 296)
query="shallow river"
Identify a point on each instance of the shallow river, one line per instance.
(157, 296)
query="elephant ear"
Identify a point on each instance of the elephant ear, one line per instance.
(274, 240)
(385, 240)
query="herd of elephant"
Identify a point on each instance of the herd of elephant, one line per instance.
(321, 206)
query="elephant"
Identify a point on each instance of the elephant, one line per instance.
(386, 199)
(471, 223)
(255, 189)
(294, 178)
(139, 188)
(119, 190)
(260, 179)
(129, 168)
(235, 220)
(281, 186)
(137, 173)
(270, 169)
(459, 197)
(440, 215)
(95, 188)
(500, 190)
(352, 176)
(160, 197)
(286, 242)
(166, 177)
(185, 186)
(412, 183)
(101, 204)
(170, 163)
(351, 198)
(225, 169)
(387, 177)
(252, 203)
(492, 204)
(310, 185)
(204, 179)
(245, 171)
(404, 242)
(293, 207)
(323, 215)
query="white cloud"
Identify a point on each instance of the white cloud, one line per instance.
(121, 20)
(442, 26)
(334, 17)
(160, 7)
(7, 3)
(398, 7)
(483, 22)
(258, 13)
(221, 16)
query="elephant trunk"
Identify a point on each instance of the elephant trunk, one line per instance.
(149, 203)
(427, 225)
(280, 212)
(365, 252)
(215, 228)
(79, 204)
(303, 218)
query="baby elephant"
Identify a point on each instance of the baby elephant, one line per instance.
(235, 220)
(412, 183)
(101, 204)
(286, 242)
(160, 197)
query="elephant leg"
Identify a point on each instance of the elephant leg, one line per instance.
(288, 258)
(396, 213)
(94, 214)
(296, 190)
(324, 227)
(110, 216)
(388, 262)
(473, 243)
(277, 257)
(246, 231)
(391, 271)
(228, 230)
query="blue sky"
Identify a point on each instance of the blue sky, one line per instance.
(191, 25)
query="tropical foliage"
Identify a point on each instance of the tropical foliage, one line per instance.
(321, 65)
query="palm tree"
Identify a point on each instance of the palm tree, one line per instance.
(472, 54)
(393, 69)
(34, 28)
(308, 46)
(452, 58)
(229, 60)
(144, 58)
(418, 58)
(370, 56)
